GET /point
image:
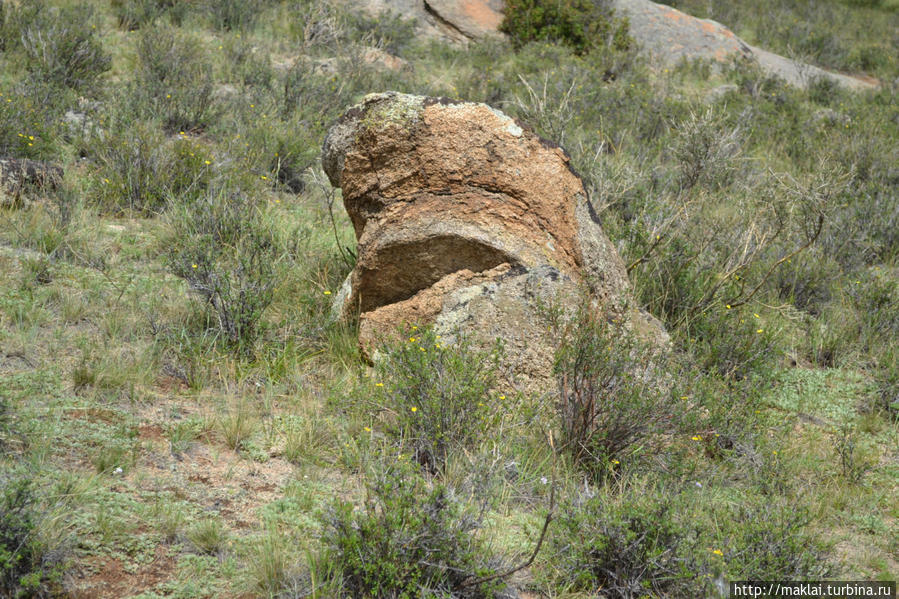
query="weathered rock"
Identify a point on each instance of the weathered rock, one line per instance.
(461, 216)
(383, 60)
(473, 19)
(665, 33)
(717, 93)
(669, 36)
(453, 20)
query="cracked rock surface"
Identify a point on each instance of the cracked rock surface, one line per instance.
(467, 220)
(665, 34)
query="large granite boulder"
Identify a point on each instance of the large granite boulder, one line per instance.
(666, 34)
(453, 20)
(469, 221)
(669, 36)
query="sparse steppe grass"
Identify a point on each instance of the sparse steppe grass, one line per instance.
(108, 360)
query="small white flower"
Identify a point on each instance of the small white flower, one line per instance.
(699, 484)
(118, 470)
(543, 480)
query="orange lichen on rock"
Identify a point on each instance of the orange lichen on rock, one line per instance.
(450, 198)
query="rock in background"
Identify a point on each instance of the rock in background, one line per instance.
(666, 34)
(467, 220)
(669, 36)
(453, 20)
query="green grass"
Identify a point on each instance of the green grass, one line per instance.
(163, 451)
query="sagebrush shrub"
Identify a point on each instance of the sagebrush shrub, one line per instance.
(226, 252)
(440, 394)
(134, 14)
(625, 547)
(612, 397)
(62, 48)
(772, 541)
(580, 24)
(139, 170)
(234, 15)
(27, 129)
(26, 570)
(408, 540)
(174, 80)
(887, 378)
(732, 343)
(706, 149)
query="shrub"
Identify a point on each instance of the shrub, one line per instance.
(388, 31)
(697, 266)
(26, 569)
(440, 394)
(705, 149)
(249, 67)
(226, 252)
(134, 164)
(6, 421)
(772, 541)
(887, 378)
(134, 14)
(172, 82)
(139, 169)
(626, 546)
(854, 464)
(807, 281)
(330, 25)
(29, 127)
(580, 24)
(408, 540)
(612, 396)
(235, 15)
(62, 48)
(732, 343)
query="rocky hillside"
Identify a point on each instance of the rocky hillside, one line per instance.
(665, 34)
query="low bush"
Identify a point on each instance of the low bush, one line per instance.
(173, 83)
(580, 24)
(626, 545)
(329, 25)
(62, 47)
(408, 540)
(135, 14)
(612, 399)
(706, 149)
(29, 128)
(234, 15)
(773, 541)
(733, 343)
(139, 170)
(225, 251)
(26, 568)
(439, 395)
(887, 378)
